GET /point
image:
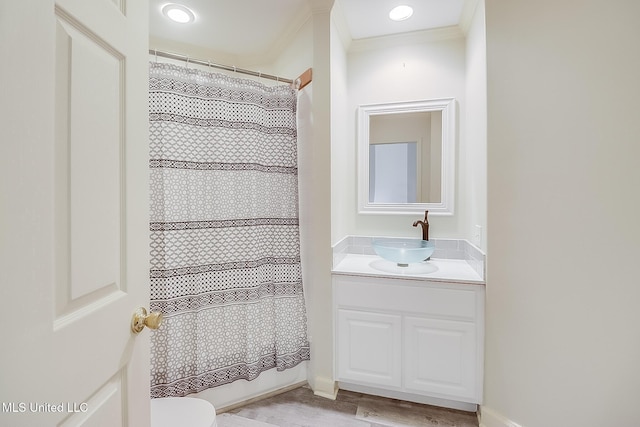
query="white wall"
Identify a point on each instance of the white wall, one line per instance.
(474, 137)
(563, 293)
(316, 207)
(401, 68)
(342, 163)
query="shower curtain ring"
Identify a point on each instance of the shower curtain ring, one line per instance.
(187, 62)
(156, 52)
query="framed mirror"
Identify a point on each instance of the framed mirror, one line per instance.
(406, 157)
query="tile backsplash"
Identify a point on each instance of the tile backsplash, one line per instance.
(445, 249)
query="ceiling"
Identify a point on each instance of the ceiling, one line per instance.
(370, 18)
(253, 27)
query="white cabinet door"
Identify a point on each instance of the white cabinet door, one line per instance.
(440, 357)
(369, 348)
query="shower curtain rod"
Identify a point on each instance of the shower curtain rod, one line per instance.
(303, 80)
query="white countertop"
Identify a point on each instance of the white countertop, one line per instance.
(436, 269)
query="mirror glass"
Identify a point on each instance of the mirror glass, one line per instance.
(406, 157)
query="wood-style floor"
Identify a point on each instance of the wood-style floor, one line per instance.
(301, 408)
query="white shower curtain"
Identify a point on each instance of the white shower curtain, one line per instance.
(225, 245)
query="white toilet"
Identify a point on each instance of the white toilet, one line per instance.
(182, 412)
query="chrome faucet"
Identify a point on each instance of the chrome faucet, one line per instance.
(425, 226)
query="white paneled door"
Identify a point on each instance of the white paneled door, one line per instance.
(74, 237)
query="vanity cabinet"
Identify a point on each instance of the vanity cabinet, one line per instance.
(440, 357)
(416, 340)
(371, 345)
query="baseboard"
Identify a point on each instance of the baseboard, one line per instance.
(268, 383)
(325, 387)
(261, 397)
(491, 418)
(410, 397)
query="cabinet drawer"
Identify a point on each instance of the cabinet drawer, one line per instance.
(407, 297)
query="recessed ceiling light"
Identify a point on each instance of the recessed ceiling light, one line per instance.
(178, 13)
(400, 13)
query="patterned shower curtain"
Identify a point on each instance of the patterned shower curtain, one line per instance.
(225, 247)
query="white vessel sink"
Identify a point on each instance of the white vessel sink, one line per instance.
(403, 251)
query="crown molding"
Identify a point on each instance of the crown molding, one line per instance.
(414, 37)
(320, 6)
(466, 17)
(340, 24)
(195, 51)
(292, 30)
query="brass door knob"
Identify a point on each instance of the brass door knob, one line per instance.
(141, 319)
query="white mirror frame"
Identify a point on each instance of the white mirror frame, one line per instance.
(445, 206)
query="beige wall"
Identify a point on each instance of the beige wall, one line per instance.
(563, 293)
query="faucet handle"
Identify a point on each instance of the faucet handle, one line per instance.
(425, 226)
